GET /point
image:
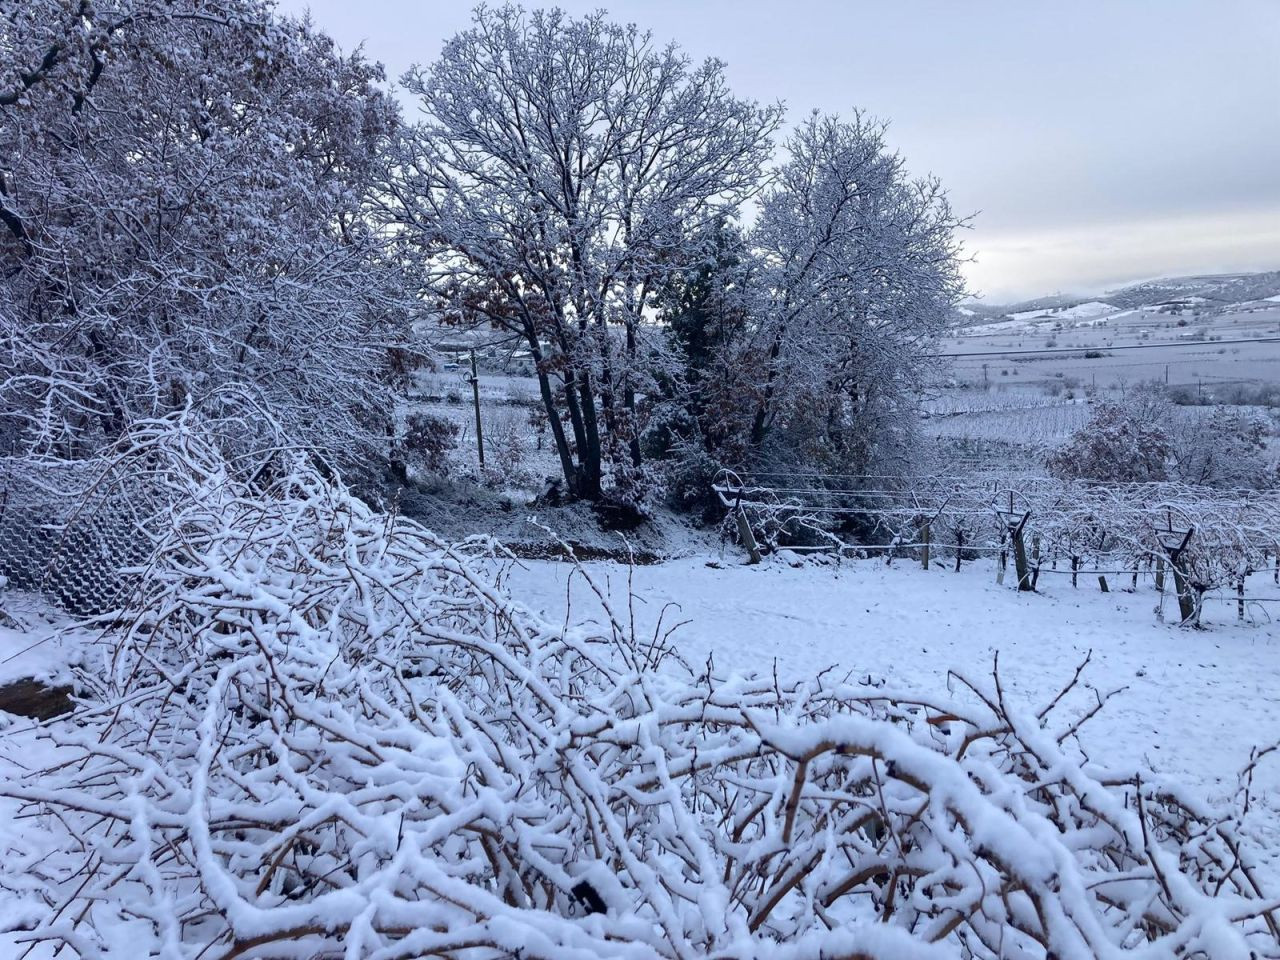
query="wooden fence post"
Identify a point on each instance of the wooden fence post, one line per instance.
(1020, 554)
(1159, 574)
(1102, 582)
(1240, 599)
(475, 398)
(748, 538)
(924, 546)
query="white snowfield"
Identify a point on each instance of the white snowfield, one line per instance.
(33, 643)
(1196, 701)
(1081, 311)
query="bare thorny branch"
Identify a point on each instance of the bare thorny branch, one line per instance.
(330, 734)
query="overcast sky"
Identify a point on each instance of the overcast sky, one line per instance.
(1097, 141)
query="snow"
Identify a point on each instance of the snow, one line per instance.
(999, 326)
(1081, 311)
(1086, 311)
(302, 672)
(33, 640)
(34, 643)
(1195, 703)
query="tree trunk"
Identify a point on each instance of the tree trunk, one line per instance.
(553, 418)
(589, 460)
(762, 410)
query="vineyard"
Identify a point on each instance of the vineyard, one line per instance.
(1193, 541)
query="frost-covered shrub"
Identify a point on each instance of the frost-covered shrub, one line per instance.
(1119, 443)
(508, 448)
(1228, 448)
(329, 734)
(689, 478)
(182, 210)
(1144, 439)
(428, 441)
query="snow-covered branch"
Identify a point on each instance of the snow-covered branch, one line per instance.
(321, 731)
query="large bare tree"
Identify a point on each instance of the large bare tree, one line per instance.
(182, 222)
(858, 277)
(561, 167)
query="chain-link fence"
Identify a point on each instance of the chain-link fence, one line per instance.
(72, 531)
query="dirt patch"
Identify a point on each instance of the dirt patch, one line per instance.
(547, 550)
(33, 699)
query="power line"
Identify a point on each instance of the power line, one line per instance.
(1173, 345)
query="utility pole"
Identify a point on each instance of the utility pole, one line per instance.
(475, 396)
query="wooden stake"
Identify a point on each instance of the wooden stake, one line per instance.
(475, 396)
(748, 538)
(1020, 554)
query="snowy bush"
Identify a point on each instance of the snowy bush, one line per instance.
(1119, 443)
(319, 731)
(182, 208)
(428, 440)
(1146, 438)
(1226, 449)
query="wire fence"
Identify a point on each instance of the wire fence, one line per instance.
(74, 531)
(1206, 539)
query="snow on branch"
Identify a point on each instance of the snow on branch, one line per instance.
(322, 732)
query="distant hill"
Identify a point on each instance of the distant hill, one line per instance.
(1214, 289)
(1207, 291)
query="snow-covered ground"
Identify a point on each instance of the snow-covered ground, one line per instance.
(33, 640)
(1197, 701)
(1090, 310)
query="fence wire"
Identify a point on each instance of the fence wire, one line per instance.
(1097, 527)
(75, 532)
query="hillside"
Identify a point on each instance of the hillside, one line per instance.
(1209, 291)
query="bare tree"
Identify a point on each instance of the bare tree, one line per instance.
(860, 272)
(561, 168)
(182, 195)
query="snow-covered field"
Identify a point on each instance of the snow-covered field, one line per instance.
(33, 641)
(1187, 348)
(1196, 701)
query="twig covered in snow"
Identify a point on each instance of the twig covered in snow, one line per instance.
(329, 735)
